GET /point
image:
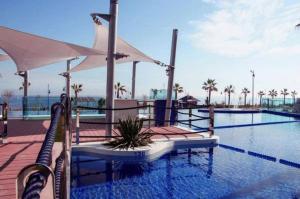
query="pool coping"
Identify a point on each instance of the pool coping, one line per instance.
(236, 111)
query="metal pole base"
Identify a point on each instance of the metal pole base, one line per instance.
(24, 174)
(4, 141)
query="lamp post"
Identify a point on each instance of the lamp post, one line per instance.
(253, 77)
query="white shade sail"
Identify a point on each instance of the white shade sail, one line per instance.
(4, 57)
(101, 43)
(31, 51)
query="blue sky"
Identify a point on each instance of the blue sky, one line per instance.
(219, 39)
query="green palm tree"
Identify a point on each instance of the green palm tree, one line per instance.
(154, 91)
(178, 89)
(261, 94)
(210, 86)
(6, 95)
(245, 92)
(77, 88)
(101, 103)
(229, 89)
(273, 93)
(119, 89)
(293, 94)
(284, 92)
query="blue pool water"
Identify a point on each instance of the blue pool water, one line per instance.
(212, 172)
(224, 119)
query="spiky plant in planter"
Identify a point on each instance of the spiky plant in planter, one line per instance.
(131, 134)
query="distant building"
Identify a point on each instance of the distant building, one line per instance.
(187, 101)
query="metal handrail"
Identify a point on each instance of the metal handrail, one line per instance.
(138, 107)
(35, 180)
(176, 108)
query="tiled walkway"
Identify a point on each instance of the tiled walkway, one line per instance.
(24, 142)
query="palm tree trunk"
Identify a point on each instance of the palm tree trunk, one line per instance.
(118, 93)
(283, 99)
(76, 98)
(245, 99)
(260, 98)
(209, 95)
(294, 100)
(175, 94)
(228, 99)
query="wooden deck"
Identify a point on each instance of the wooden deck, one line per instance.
(24, 142)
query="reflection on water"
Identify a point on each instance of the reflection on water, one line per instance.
(184, 173)
(91, 170)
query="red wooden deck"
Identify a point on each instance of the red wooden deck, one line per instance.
(92, 130)
(24, 142)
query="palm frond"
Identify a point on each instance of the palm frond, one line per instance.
(210, 85)
(131, 134)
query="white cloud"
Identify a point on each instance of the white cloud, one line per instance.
(243, 27)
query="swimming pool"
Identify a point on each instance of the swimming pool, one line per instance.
(231, 170)
(225, 119)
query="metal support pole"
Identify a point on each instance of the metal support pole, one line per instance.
(5, 122)
(67, 75)
(211, 120)
(133, 79)
(176, 112)
(24, 75)
(171, 77)
(48, 92)
(68, 78)
(149, 116)
(253, 76)
(190, 117)
(26, 84)
(77, 126)
(111, 65)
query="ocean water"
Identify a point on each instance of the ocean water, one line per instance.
(41, 105)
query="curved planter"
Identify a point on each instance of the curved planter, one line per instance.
(151, 152)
